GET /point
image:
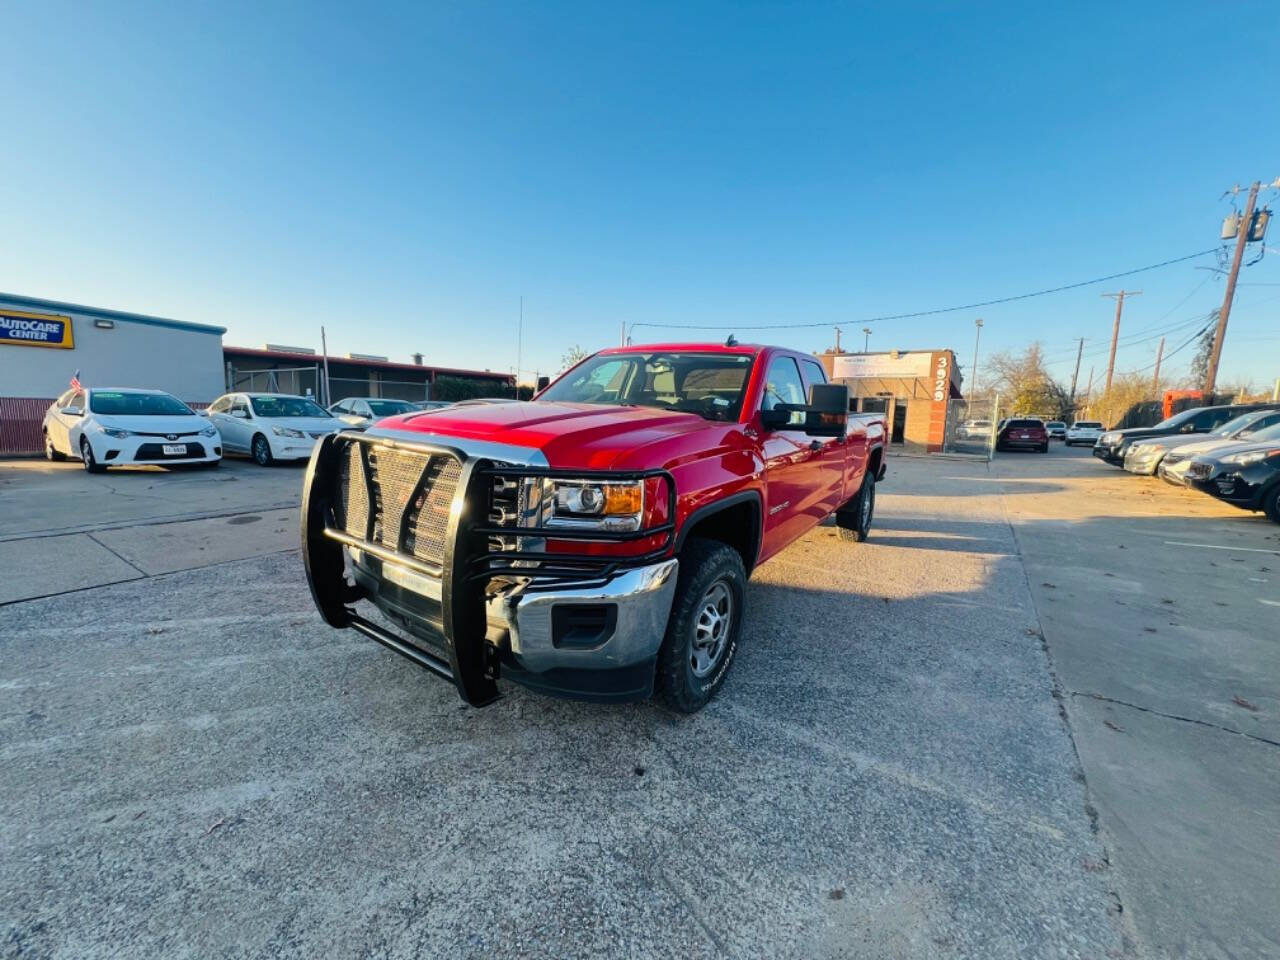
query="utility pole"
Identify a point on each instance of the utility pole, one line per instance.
(866, 338)
(1075, 377)
(1155, 381)
(974, 386)
(837, 339)
(1088, 394)
(1115, 331)
(324, 353)
(519, 344)
(1242, 237)
(624, 333)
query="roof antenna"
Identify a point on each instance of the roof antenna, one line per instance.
(732, 341)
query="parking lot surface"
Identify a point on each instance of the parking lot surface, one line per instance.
(196, 766)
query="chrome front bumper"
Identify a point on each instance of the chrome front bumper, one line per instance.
(641, 603)
(1144, 464)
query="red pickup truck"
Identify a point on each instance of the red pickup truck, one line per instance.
(595, 542)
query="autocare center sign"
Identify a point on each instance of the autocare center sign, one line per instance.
(23, 329)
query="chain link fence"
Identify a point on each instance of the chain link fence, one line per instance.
(971, 426)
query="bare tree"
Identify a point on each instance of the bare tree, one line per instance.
(574, 355)
(1026, 386)
(1128, 393)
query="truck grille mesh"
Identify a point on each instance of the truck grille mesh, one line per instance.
(353, 498)
(404, 511)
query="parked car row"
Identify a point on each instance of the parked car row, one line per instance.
(117, 426)
(1230, 452)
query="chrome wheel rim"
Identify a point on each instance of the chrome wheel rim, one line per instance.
(260, 450)
(86, 455)
(867, 502)
(711, 628)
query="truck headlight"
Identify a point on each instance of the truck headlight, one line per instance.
(118, 434)
(603, 504)
(1248, 457)
(288, 432)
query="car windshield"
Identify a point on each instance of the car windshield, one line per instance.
(389, 408)
(286, 407)
(120, 403)
(711, 385)
(1266, 434)
(1238, 424)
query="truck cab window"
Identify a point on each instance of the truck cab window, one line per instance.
(783, 386)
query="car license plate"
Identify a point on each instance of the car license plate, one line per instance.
(174, 449)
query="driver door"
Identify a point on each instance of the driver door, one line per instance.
(793, 470)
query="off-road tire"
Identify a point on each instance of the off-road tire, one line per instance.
(854, 522)
(50, 453)
(260, 450)
(1271, 503)
(91, 465)
(704, 566)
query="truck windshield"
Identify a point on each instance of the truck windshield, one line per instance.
(711, 385)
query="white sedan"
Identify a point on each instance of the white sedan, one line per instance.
(271, 426)
(118, 426)
(1084, 431)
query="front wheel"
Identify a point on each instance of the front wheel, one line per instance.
(262, 451)
(1271, 503)
(704, 627)
(91, 465)
(854, 523)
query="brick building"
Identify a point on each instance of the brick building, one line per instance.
(913, 388)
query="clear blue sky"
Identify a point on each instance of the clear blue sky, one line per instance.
(404, 176)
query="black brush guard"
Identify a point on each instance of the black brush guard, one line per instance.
(471, 662)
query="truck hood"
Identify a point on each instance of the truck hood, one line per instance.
(569, 435)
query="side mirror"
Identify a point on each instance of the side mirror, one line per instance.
(543, 383)
(827, 414)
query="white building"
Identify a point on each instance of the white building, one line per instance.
(44, 342)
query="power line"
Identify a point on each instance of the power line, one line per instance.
(926, 313)
(1185, 343)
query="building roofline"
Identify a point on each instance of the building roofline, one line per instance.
(42, 304)
(379, 364)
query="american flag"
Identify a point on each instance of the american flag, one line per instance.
(75, 381)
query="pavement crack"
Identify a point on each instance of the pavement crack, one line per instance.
(117, 555)
(1174, 716)
(692, 908)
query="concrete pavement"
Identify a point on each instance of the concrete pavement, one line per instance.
(1159, 610)
(195, 765)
